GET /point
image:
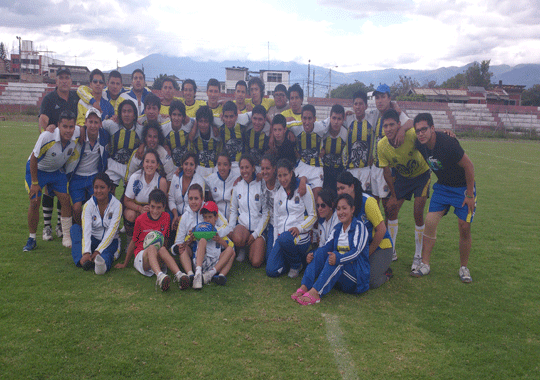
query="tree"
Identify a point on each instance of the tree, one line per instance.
(346, 91)
(3, 51)
(158, 82)
(476, 75)
(402, 87)
(531, 97)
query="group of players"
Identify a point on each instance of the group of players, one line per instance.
(277, 185)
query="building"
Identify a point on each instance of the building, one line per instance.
(271, 78)
(80, 75)
(32, 62)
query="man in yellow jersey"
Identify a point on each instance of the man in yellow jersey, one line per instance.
(256, 91)
(294, 114)
(111, 94)
(189, 92)
(412, 177)
(97, 82)
(213, 92)
(168, 86)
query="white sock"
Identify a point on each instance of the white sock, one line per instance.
(66, 227)
(198, 269)
(190, 273)
(393, 228)
(418, 239)
(33, 236)
(212, 272)
(177, 274)
(101, 266)
(159, 274)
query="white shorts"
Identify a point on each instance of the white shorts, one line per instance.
(138, 264)
(211, 257)
(314, 174)
(379, 188)
(205, 172)
(116, 171)
(364, 176)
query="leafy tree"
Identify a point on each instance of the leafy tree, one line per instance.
(476, 75)
(531, 96)
(158, 82)
(402, 87)
(457, 81)
(346, 91)
(432, 84)
(3, 51)
(412, 98)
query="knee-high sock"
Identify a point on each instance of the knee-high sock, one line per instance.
(48, 203)
(418, 239)
(393, 228)
(66, 228)
(58, 212)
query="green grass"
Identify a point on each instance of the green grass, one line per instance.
(57, 321)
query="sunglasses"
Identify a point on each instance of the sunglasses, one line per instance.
(321, 205)
(96, 81)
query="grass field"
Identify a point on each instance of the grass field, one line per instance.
(58, 322)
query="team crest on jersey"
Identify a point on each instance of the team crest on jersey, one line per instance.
(239, 196)
(94, 218)
(53, 154)
(215, 189)
(137, 187)
(70, 151)
(110, 215)
(296, 200)
(256, 197)
(364, 219)
(385, 188)
(280, 202)
(177, 185)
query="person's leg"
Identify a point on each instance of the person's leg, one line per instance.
(379, 262)
(129, 221)
(391, 212)
(33, 214)
(107, 254)
(430, 234)
(269, 239)
(185, 260)
(256, 252)
(165, 257)
(275, 263)
(65, 201)
(294, 254)
(465, 242)
(314, 268)
(201, 253)
(239, 236)
(76, 244)
(225, 262)
(77, 211)
(48, 205)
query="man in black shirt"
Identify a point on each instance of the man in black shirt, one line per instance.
(455, 187)
(63, 98)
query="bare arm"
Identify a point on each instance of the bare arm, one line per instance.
(387, 173)
(34, 186)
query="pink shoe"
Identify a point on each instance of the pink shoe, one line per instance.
(312, 300)
(299, 293)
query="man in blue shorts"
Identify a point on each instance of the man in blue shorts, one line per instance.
(455, 187)
(45, 168)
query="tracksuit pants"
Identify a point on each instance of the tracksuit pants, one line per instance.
(76, 247)
(285, 254)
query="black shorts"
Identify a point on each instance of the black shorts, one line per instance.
(418, 186)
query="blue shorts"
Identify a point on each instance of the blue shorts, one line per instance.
(418, 186)
(446, 196)
(55, 181)
(81, 188)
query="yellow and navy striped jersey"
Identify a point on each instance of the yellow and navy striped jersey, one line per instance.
(233, 141)
(359, 144)
(123, 144)
(378, 134)
(256, 144)
(265, 102)
(335, 149)
(178, 142)
(206, 150)
(295, 125)
(309, 147)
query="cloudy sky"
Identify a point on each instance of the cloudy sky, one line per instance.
(351, 34)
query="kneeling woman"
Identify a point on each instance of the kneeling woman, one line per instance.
(291, 226)
(342, 261)
(94, 244)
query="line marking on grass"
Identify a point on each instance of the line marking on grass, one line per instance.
(339, 349)
(509, 159)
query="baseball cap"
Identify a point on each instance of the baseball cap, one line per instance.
(63, 70)
(210, 206)
(382, 89)
(92, 110)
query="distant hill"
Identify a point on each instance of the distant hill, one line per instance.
(185, 67)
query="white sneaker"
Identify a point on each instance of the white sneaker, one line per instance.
(293, 273)
(416, 263)
(422, 270)
(207, 276)
(118, 252)
(394, 256)
(241, 256)
(47, 233)
(66, 241)
(101, 266)
(58, 230)
(163, 281)
(198, 280)
(465, 275)
(122, 230)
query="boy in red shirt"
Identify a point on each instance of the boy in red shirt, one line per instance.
(151, 260)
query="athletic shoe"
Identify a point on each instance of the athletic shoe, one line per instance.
(66, 242)
(207, 276)
(122, 230)
(30, 245)
(118, 252)
(465, 275)
(163, 281)
(100, 265)
(394, 256)
(415, 263)
(422, 270)
(219, 279)
(241, 255)
(293, 273)
(389, 273)
(58, 230)
(183, 280)
(47, 233)
(88, 265)
(197, 280)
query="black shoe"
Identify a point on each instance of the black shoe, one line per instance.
(88, 265)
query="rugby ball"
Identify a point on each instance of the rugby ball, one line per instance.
(154, 238)
(204, 230)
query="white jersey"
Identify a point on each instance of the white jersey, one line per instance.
(326, 228)
(137, 188)
(221, 190)
(134, 163)
(90, 159)
(178, 195)
(167, 127)
(50, 153)
(289, 213)
(103, 229)
(248, 207)
(191, 218)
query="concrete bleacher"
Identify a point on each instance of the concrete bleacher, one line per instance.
(440, 118)
(472, 115)
(22, 93)
(519, 121)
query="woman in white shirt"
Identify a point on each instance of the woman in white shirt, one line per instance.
(220, 184)
(291, 226)
(140, 184)
(249, 214)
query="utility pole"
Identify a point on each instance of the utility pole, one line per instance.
(20, 58)
(330, 81)
(308, 69)
(313, 86)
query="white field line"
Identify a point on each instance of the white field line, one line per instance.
(341, 354)
(506, 158)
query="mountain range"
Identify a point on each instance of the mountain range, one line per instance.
(185, 67)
